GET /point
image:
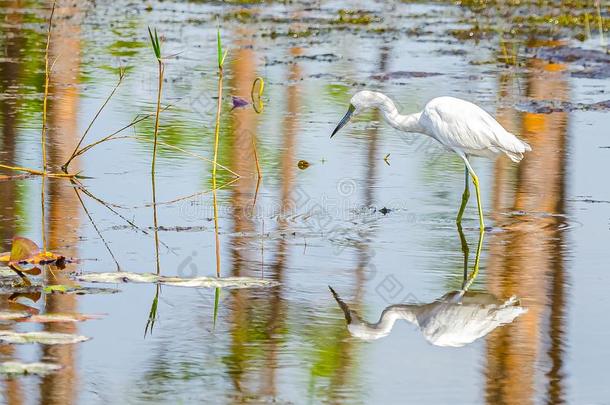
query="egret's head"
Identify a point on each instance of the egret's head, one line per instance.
(360, 101)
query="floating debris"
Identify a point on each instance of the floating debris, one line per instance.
(17, 368)
(13, 315)
(553, 106)
(303, 164)
(60, 317)
(197, 282)
(386, 159)
(401, 74)
(45, 338)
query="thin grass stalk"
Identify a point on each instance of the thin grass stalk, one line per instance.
(158, 113)
(97, 114)
(113, 135)
(47, 74)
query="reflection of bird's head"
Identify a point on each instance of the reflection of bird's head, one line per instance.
(362, 329)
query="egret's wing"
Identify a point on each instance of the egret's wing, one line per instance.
(461, 125)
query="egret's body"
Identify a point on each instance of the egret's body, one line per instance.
(460, 126)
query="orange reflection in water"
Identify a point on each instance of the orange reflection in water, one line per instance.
(526, 259)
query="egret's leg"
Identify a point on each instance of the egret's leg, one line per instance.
(465, 197)
(475, 180)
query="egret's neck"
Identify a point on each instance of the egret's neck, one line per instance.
(406, 123)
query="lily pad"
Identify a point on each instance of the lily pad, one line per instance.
(198, 282)
(45, 338)
(17, 368)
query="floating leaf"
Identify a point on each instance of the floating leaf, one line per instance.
(45, 338)
(59, 288)
(25, 251)
(198, 282)
(303, 164)
(17, 368)
(60, 317)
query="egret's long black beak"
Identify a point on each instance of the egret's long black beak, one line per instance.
(344, 120)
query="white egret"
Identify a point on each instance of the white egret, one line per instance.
(460, 126)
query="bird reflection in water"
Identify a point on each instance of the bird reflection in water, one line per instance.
(454, 320)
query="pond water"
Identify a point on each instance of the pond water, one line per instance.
(372, 216)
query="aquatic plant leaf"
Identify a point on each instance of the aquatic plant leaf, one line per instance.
(198, 282)
(154, 39)
(17, 368)
(219, 47)
(59, 288)
(45, 338)
(61, 317)
(24, 251)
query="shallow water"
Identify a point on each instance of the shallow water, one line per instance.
(308, 229)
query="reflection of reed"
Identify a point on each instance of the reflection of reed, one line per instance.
(63, 205)
(527, 259)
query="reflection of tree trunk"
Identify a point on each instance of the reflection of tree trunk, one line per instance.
(526, 260)
(62, 204)
(243, 125)
(10, 73)
(340, 377)
(276, 319)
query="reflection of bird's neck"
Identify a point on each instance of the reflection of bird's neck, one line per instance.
(383, 327)
(406, 123)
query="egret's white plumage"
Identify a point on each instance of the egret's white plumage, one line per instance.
(458, 125)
